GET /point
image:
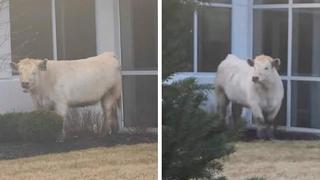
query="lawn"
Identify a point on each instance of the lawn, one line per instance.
(274, 160)
(89, 159)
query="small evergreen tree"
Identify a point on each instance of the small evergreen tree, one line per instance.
(193, 140)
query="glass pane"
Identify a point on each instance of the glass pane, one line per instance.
(306, 42)
(214, 37)
(270, 34)
(76, 32)
(140, 101)
(31, 30)
(281, 118)
(305, 104)
(176, 36)
(271, 1)
(306, 1)
(139, 34)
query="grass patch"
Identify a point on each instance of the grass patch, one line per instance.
(137, 161)
(274, 160)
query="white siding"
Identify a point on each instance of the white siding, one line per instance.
(12, 98)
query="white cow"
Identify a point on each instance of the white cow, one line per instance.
(59, 85)
(254, 84)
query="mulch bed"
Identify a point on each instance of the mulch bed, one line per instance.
(19, 150)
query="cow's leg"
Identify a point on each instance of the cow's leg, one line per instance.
(62, 110)
(259, 119)
(236, 112)
(270, 124)
(108, 103)
(36, 102)
(222, 103)
(116, 93)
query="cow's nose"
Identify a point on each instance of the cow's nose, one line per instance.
(255, 78)
(25, 85)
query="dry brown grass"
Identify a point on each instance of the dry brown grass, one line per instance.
(119, 162)
(274, 160)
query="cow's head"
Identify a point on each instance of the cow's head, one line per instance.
(29, 70)
(264, 68)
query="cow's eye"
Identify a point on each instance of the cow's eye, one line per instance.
(266, 68)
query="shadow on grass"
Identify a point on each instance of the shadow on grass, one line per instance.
(19, 150)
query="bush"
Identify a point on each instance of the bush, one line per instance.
(193, 140)
(36, 126)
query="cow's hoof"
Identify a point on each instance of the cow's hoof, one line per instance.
(270, 134)
(261, 134)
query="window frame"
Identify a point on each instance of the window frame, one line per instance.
(289, 78)
(128, 72)
(196, 33)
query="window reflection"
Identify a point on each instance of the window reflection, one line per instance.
(306, 42)
(305, 104)
(214, 37)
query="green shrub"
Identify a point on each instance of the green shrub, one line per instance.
(193, 140)
(36, 126)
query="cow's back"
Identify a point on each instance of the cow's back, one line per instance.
(233, 77)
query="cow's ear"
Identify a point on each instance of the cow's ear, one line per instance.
(250, 62)
(43, 65)
(14, 66)
(276, 63)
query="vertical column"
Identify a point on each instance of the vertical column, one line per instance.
(5, 41)
(240, 29)
(241, 35)
(289, 64)
(54, 29)
(105, 25)
(195, 41)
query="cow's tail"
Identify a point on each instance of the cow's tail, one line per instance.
(118, 113)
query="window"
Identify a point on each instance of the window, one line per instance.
(270, 34)
(205, 34)
(140, 94)
(76, 32)
(291, 32)
(305, 104)
(138, 22)
(214, 37)
(306, 42)
(31, 29)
